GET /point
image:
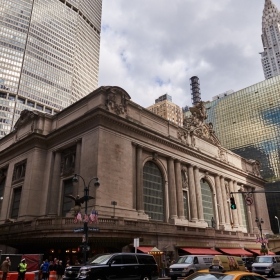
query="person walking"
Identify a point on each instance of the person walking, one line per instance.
(22, 269)
(5, 267)
(59, 270)
(45, 269)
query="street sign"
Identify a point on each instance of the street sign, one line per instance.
(93, 229)
(249, 200)
(78, 230)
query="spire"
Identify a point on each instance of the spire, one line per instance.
(270, 13)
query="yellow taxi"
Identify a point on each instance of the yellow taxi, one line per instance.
(225, 268)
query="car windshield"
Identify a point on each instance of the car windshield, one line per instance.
(263, 260)
(186, 259)
(101, 259)
(210, 276)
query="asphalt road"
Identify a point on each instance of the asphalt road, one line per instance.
(277, 277)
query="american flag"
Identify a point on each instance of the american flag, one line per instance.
(93, 217)
(86, 218)
(79, 217)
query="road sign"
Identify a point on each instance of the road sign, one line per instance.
(249, 200)
(78, 230)
(93, 229)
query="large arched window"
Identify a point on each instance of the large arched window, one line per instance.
(153, 191)
(207, 201)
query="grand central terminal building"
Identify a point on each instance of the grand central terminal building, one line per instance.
(166, 184)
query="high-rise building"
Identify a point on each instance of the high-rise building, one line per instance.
(271, 40)
(49, 55)
(165, 108)
(248, 123)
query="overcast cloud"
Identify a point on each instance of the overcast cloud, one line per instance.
(153, 47)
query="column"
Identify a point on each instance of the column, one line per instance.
(172, 189)
(220, 200)
(76, 186)
(198, 194)
(179, 191)
(254, 212)
(234, 212)
(238, 198)
(53, 199)
(225, 199)
(193, 206)
(249, 215)
(139, 180)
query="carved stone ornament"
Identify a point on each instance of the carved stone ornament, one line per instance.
(195, 126)
(185, 178)
(255, 167)
(155, 156)
(25, 117)
(223, 154)
(116, 100)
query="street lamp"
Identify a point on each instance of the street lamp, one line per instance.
(278, 224)
(261, 240)
(86, 198)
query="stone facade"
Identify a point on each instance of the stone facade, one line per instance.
(108, 136)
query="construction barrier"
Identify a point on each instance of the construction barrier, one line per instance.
(52, 275)
(1, 275)
(13, 275)
(30, 276)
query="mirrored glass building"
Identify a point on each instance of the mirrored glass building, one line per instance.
(49, 55)
(248, 123)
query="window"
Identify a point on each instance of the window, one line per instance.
(186, 205)
(67, 202)
(129, 259)
(207, 201)
(153, 191)
(16, 203)
(19, 171)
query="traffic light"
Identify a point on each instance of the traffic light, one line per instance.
(232, 203)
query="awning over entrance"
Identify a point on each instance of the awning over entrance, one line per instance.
(145, 249)
(257, 251)
(235, 252)
(201, 251)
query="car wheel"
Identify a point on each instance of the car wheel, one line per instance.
(191, 272)
(146, 277)
(272, 273)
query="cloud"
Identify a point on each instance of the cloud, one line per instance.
(153, 47)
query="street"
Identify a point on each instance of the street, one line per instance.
(277, 277)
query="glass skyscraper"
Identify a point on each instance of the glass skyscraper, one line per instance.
(248, 123)
(49, 55)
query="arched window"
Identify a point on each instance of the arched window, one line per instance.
(207, 201)
(153, 191)
(244, 212)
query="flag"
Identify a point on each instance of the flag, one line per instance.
(86, 218)
(92, 216)
(79, 217)
(96, 216)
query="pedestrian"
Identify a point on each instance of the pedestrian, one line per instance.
(45, 269)
(68, 263)
(5, 267)
(59, 270)
(22, 267)
(55, 264)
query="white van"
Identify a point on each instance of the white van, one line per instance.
(189, 264)
(269, 265)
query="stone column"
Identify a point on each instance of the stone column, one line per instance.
(234, 212)
(179, 191)
(254, 212)
(238, 198)
(76, 186)
(248, 214)
(55, 185)
(225, 199)
(172, 189)
(198, 194)
(139, 180)
(220, 200)
(193, 205)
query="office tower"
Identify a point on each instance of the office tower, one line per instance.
(165, 108)
(248, 123)
(49, 55)
(271, 40)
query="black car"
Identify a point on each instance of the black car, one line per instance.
(118, 266)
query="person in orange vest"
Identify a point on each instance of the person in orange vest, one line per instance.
(5, 267)
(22, 269)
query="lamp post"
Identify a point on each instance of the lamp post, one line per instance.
(262, 241)
(278, 224)
(86, 198)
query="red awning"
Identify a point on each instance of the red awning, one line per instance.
(145, 249)
(201, 251)
(257, 251)
(235, 252)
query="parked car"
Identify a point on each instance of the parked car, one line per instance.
(269, 265)
(189, 264)
(118, 266)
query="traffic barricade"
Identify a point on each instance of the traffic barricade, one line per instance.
(30, 276)
(1, 274)
(13, 275)
(52, 275)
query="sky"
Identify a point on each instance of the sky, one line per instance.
(153, 47)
